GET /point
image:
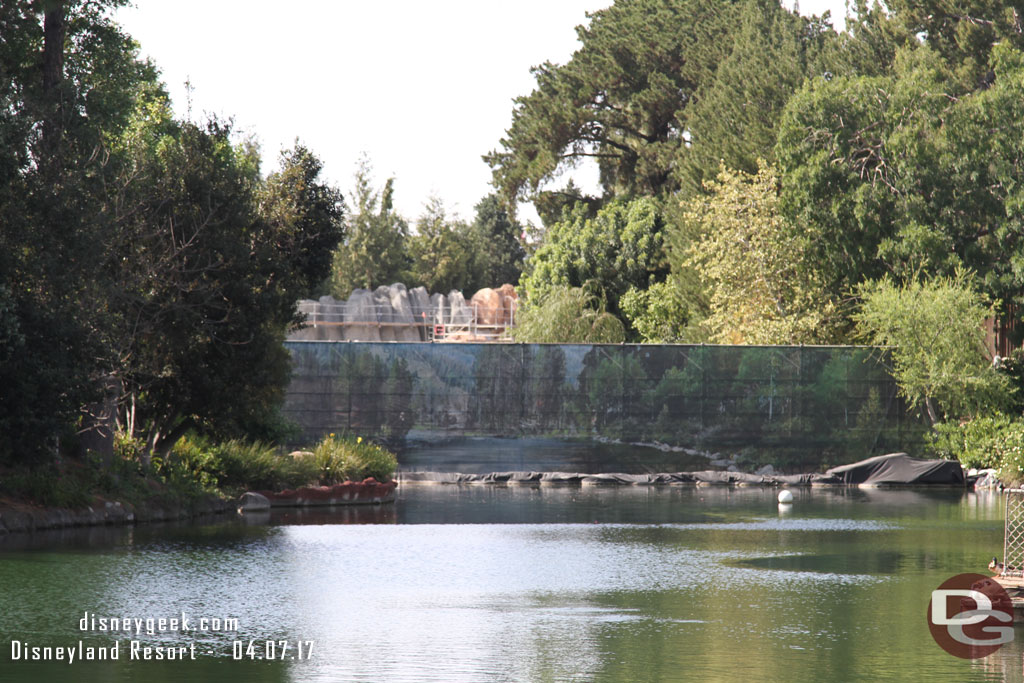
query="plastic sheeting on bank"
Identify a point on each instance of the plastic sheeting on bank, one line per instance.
(899, 468)
(896, 469)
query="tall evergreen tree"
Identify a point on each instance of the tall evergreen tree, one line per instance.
(735, 117)
(496, 245)
(440, 251)
(374, 250)
(623, 99)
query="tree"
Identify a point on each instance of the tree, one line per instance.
(440, 251)
(146, 268)
(962, 32)
(204, 269)
(496, 245)
(734, 120)
(374, 250)
(658, 314)
(307, 215)
(910, 173)
(622, 99)
(620, 248)
(69, 80)
(568, 315)
(763, 287)
(935, 329)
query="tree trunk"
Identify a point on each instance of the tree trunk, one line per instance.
(53, 80)
(931, 411)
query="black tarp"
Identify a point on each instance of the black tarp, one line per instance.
(899, 468)
(893, 469)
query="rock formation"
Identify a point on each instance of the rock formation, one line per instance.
(393, 313)
(495, 308)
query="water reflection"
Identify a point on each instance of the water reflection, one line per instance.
(498, 584)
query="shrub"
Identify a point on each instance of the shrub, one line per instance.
(371, 460)
(982, 442)
(48, 485)
(339, 459)
(329, 459)
(236, 465)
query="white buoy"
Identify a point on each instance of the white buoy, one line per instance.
(785, 496)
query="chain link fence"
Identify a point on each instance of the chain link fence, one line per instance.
(1013, 534)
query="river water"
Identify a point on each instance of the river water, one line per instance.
(516, 584)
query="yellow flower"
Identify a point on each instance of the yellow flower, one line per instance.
(359, 439)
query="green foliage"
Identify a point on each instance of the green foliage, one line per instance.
(764, 289)
(306, 216)
(939, 355)
(622, 99)
(735, 119)
(495, 240)
(568, 315)
(441, 251)
(657, 314)
(1012, 367)
(982, 442)
(54, 125)
(127, 447)
(235, 466)
(910, 172)
(963, 33)
(192, 462)
(339, 459)
(204, 284)
(145, 261)
(842, 144)
(620, 248)
(374, 250)
(47, 485)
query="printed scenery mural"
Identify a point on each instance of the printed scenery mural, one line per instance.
(799, 407)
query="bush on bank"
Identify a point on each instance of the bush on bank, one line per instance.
(995, 441)
(339, 459)
(195, 467)
(235, 466)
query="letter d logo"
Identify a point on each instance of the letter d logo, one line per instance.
(967, 616)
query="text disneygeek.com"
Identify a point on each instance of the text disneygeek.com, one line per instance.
(134, 648)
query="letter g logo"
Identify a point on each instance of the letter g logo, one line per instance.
(964, 614)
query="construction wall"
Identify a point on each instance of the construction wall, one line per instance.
(783, 405)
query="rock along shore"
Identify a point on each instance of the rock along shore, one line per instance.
(22, 517)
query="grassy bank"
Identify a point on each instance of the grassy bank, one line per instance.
(194, 470)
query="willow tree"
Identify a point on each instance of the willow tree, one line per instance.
(936, 330)
(568, 315)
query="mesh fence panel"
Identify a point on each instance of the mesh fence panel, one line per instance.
(786, 405)
(1013, 535)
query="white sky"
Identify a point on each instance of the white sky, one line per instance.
(424, 87)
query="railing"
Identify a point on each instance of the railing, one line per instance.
(460, 325)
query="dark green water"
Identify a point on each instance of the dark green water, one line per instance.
(516, 584)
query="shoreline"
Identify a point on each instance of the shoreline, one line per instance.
(21, 517)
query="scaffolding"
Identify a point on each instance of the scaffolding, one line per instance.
(466, 324)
